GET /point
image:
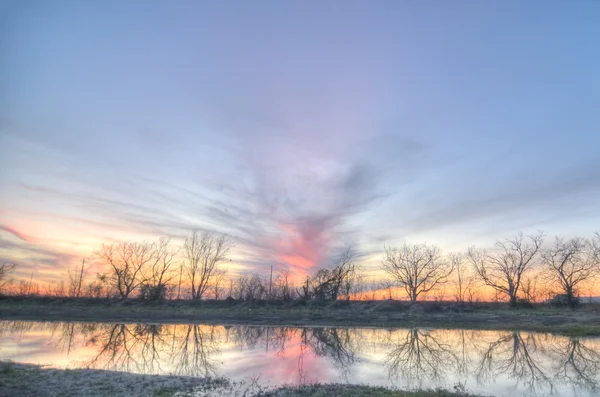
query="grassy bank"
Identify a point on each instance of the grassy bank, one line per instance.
(581, 322)
(33, 381)
(358, 391)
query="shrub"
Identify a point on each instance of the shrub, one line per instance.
(153, 292)
(562, 300)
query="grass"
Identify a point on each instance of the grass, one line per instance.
(585, 321)
(164, 392)
(336, 390)
(33, 380)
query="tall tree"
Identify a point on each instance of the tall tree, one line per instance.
(203, 252)
(504, 268)
(126, 261)
(418, 268)
(157, 273)
(282, 286)
(464, 277)
(570, 263)
(327, 284)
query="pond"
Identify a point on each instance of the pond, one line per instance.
(498, 363)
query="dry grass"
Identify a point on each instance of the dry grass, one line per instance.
(585, 321)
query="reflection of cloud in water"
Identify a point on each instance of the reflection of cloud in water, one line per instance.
(498, 362)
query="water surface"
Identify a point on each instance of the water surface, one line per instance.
(500, 363)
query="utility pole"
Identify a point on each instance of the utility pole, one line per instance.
(80, 278)
(179, 289)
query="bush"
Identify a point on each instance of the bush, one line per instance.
(524, 303)
(562, 300)
(433, 307)
(153, 292)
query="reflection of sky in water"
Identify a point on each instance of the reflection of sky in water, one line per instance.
(494, 362)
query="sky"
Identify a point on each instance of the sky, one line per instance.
(296, 127)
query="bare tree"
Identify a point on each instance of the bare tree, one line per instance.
(250, 287)
(356, 285)
(203, 252)
(76, 279)
(571, 263)
(532, 289)
(418, 268)
(503, 270)
(126, 260)
(304, 292)
(5, 270)
(57, 289)
(387, 286)
(218, 283)
(327, 284)
(95, 289)
(464, 278)
(282, 286)
(596, 245)
(157, 273)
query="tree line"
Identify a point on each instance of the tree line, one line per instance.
(513, 270)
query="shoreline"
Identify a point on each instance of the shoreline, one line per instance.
(584, 321)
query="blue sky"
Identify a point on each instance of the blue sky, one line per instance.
(297, 127)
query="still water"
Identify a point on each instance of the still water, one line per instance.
(500, 363)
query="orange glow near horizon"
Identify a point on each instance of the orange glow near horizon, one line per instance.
(48, 251)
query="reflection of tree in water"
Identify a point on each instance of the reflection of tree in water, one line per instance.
(150, 338)
(419, 355)
(142, 348)
(463, 352)
(517, 357)
(576, 363)
(193, 350)
(332, 343)
(116, 343)
(67, 333)
(272, 338)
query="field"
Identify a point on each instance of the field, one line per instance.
(584, 321)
